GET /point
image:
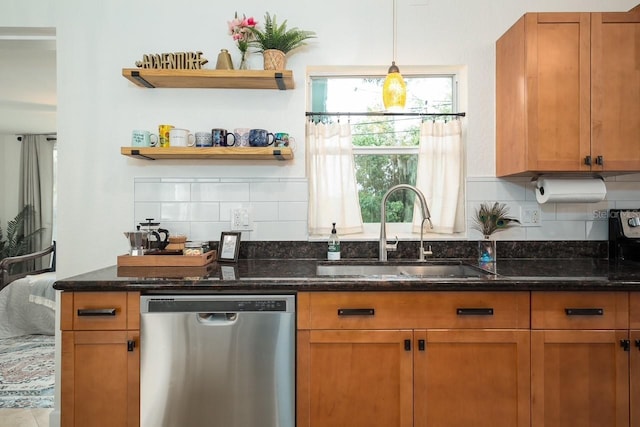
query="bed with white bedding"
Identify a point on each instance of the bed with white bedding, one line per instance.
(27, 298)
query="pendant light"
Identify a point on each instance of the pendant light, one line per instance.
(394, 90)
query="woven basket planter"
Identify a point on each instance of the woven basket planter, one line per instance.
(274, 59)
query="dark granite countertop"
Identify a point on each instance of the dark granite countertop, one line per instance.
(291, 275)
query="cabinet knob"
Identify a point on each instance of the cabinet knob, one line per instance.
(131, 344)
(587, 160)
(600, 160)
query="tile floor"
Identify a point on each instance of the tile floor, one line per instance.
(24, 417)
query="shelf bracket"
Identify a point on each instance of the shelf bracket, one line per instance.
(280, 81)
(136, 153)
(278, 154)
(136, 75)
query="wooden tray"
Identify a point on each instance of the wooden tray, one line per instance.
(166, 260)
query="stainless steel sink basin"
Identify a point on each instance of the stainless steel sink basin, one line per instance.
(451, 270)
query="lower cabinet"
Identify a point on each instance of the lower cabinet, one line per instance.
(580, 359)
(390, 360)
(634, 368)
(100, 378)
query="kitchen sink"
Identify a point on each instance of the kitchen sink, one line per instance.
(421, 269)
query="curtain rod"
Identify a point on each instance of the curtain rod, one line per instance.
(52, 135)
(384, 113)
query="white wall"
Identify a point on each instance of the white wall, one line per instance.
(98, 108)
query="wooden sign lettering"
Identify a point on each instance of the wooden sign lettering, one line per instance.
(173, 61)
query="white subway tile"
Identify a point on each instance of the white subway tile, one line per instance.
(292, 211)
(285, 230)
(162, 192)
(264, 211)
(597, 230)
(205, 211)
(557, 230)
(175, 212)
(220, 192)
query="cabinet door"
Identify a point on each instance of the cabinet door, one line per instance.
(635, 378)
(579, 378)
(472, 378)
(100, 379)
(615, 80)
(355, 378)
(558, 62)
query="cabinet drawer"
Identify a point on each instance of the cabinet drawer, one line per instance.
(98, 310)
(392, 310)
(577, 310)
(634, 310)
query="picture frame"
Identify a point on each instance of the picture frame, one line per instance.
(229, 246)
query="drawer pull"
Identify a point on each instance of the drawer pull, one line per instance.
(625, 344)
(407, 345)
(356, 312)
(474, 311)
(421, 345)
(96, 312)
(638, 344)
(584, 311)
(131, 345)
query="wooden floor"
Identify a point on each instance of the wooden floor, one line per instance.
(24, 417)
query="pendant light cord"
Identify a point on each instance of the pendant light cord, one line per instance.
(395, 31)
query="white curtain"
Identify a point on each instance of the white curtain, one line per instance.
(36, 188)
(440, 176)
(333, 192)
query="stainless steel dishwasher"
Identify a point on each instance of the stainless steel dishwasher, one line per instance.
(217, 361)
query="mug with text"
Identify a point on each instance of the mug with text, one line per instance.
(260, 138)
(143, 138)
(221, 138)
(181, 138)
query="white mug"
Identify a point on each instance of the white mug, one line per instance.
(181, 138)
(242, 136)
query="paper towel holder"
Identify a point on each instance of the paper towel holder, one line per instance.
(588, 189)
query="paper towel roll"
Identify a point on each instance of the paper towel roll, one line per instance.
(564, 190)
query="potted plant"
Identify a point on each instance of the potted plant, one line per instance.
(275, 41)
(16, 242)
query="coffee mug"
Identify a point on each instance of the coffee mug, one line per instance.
(163, 135)
(284, 140)
(203, 139)
(181, 138)
(143, 138)
(221, 138)
(242, 136)
(260, 138)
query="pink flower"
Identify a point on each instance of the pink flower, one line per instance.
(239, 30)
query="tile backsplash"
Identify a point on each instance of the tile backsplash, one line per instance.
(201, 207)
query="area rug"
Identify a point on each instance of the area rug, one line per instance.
(27, 366)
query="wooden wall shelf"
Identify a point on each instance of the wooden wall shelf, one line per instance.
(200, 153)
(210, 79)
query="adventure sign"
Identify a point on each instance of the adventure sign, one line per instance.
(173, 61)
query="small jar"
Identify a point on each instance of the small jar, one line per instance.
(192, 249)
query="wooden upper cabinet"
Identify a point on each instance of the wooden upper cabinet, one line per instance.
(542, 94)
(615, 89)
(567, 94)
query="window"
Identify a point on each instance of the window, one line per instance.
(385, 148)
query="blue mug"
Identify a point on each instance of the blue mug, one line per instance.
(260, 138)
(220, 138)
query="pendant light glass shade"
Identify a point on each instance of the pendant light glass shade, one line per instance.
(394, 90)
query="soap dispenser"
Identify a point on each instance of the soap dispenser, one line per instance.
(333, 252)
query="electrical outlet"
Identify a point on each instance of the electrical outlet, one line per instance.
(240, 219)
(530, 215)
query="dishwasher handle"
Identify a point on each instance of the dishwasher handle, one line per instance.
(217, 318)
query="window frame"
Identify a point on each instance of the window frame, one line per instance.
(403, 231)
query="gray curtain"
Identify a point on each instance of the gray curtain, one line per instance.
(36, 188)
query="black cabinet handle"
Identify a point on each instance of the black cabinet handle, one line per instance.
(131, 345)
(407, 345)
(638, 344)
(356, 312)
(96, 312)
(584, 311)
(587, 160)
(474, 311)
(600, 160)
(625, 344)
(421, 345)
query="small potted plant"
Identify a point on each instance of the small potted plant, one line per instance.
(275, 41)
(490, 219)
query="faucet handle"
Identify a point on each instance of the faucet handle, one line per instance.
(390, 247)
(428, 252)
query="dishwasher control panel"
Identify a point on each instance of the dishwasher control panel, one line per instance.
(226, 304)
